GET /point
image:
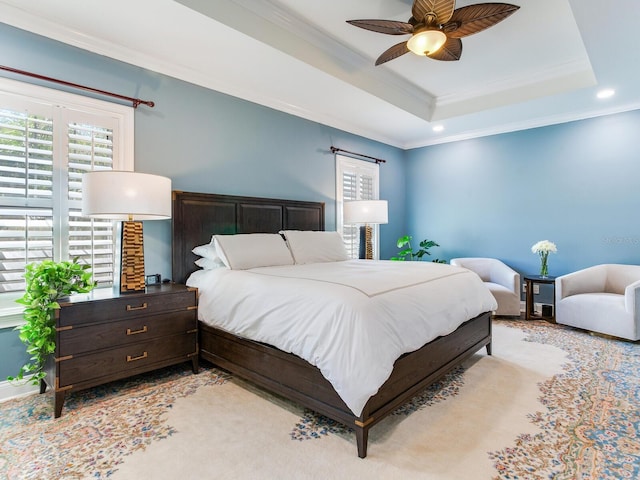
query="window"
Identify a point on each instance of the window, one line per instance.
(355, 180)
(48, 139)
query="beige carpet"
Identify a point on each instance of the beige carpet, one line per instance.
(235, 431)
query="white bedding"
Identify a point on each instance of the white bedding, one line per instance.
(351, 319)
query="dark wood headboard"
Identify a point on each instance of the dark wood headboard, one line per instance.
(197, 216)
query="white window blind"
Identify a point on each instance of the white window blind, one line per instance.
(355, 180)
(92, 241)
(48, 139)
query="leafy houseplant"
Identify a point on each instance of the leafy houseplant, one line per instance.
(46, 283)
(407, 252)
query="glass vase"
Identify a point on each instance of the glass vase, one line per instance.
(544, 269)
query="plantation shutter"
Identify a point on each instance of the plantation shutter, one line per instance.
(90, 240)
(45, 147)
(355, 180)
(350, 231)
(26, 190)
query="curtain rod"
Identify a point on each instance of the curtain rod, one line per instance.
(377, 160)
(134, 101)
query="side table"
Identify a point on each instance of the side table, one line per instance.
(530, 281)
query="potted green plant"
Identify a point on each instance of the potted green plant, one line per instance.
(407, 252)
(46, 283)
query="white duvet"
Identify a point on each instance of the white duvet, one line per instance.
(351, 319)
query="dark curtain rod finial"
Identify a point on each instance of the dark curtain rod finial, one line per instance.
(376, 160)
(134, 101)
(137, 102)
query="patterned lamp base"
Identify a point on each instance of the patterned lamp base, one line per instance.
(132, 258)
(366, 244)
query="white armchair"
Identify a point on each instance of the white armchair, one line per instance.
(501, 280)
(604, 299)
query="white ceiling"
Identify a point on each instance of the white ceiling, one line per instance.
(542, 65)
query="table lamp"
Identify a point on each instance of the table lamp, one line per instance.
(130, 197)
(367, 213)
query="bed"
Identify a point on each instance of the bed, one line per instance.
(196, 216)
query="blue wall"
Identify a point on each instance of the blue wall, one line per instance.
(206, 141)
(12, 353)
(210, 142)
(576, 184)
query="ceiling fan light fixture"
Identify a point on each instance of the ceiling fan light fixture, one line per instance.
(436, 27)
(426, 42)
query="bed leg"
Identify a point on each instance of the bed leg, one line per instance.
(362, 436)
(488, 348)
(195, 367)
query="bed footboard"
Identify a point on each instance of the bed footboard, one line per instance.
(291, 377)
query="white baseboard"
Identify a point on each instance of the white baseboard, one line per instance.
(9, 390)
(537, 308)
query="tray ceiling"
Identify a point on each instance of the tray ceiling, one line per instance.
(542, 65)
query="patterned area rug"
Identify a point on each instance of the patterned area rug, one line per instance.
(588, 418)
(591, 423)
(98, 427)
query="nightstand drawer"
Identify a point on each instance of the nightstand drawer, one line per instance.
(119, 361)
(124, 332)
(129, 306)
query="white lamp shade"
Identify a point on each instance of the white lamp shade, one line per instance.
(366, 211)
(122, 195)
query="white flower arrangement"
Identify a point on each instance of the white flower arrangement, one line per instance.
(543, 248)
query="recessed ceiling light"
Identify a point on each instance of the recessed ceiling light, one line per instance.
(438, 128)
(606, 93)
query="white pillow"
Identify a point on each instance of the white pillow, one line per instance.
(251, 250)
(206, 251)
(209, 264)
(315, 247)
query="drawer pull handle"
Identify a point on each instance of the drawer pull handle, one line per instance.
(139, 357)
(141, 307)
(135, 332)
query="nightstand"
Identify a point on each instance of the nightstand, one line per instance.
(104, 336)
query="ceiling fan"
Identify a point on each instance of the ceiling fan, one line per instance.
(436, 28)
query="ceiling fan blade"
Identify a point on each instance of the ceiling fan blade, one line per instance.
(450, 51)
(390, 27)
(442, 8)
(475, 18)
(393, 52)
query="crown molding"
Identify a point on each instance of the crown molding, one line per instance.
(517, 88)
(524, 125)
